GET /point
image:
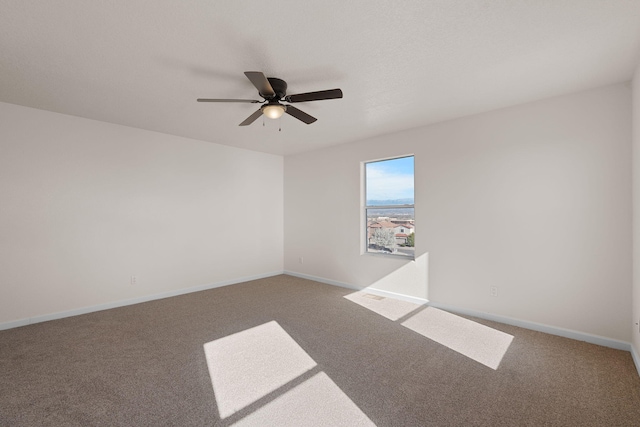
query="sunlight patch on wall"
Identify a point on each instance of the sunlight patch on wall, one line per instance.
(478, 342)
(247, 366)
(323, 402)
(390, 308)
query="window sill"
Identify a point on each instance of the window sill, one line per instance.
(388, 255)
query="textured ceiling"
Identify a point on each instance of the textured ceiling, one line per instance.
(400, 64)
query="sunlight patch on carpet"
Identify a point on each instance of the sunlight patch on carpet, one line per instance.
(391, 308)
(248, 365)
(478, 342)
(316, 402)
(265, 374)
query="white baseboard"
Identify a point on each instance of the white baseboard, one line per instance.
(553, 330)
(373, 291)
(540, 327)
(636, 358)
(321, 280)
(131, 301)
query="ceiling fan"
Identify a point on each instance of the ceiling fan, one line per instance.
(273, 91)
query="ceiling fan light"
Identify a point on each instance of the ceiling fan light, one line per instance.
(274, 111)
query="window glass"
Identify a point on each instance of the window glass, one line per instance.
(389, 207)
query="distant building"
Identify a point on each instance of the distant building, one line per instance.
(402, 221)
(401, 229)
(402, 232)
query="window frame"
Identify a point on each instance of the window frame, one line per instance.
(366, 207)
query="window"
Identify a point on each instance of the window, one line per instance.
(389, 210)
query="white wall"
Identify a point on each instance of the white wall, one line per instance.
(84, 205)
(635, 328)
(534, 199)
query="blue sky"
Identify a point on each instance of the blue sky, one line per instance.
(390, 179)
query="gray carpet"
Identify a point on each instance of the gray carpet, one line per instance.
(288, 351)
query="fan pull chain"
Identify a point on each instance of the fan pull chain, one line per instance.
(280, 124)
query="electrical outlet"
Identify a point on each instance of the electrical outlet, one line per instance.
(493, 291)
(301, 260)
(134, 280)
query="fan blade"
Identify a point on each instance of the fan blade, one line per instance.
(252, 118)
(261, 83)
(253, 101)
(315, 96)
(300, 115)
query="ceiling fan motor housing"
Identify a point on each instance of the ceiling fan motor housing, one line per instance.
(279, 87)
